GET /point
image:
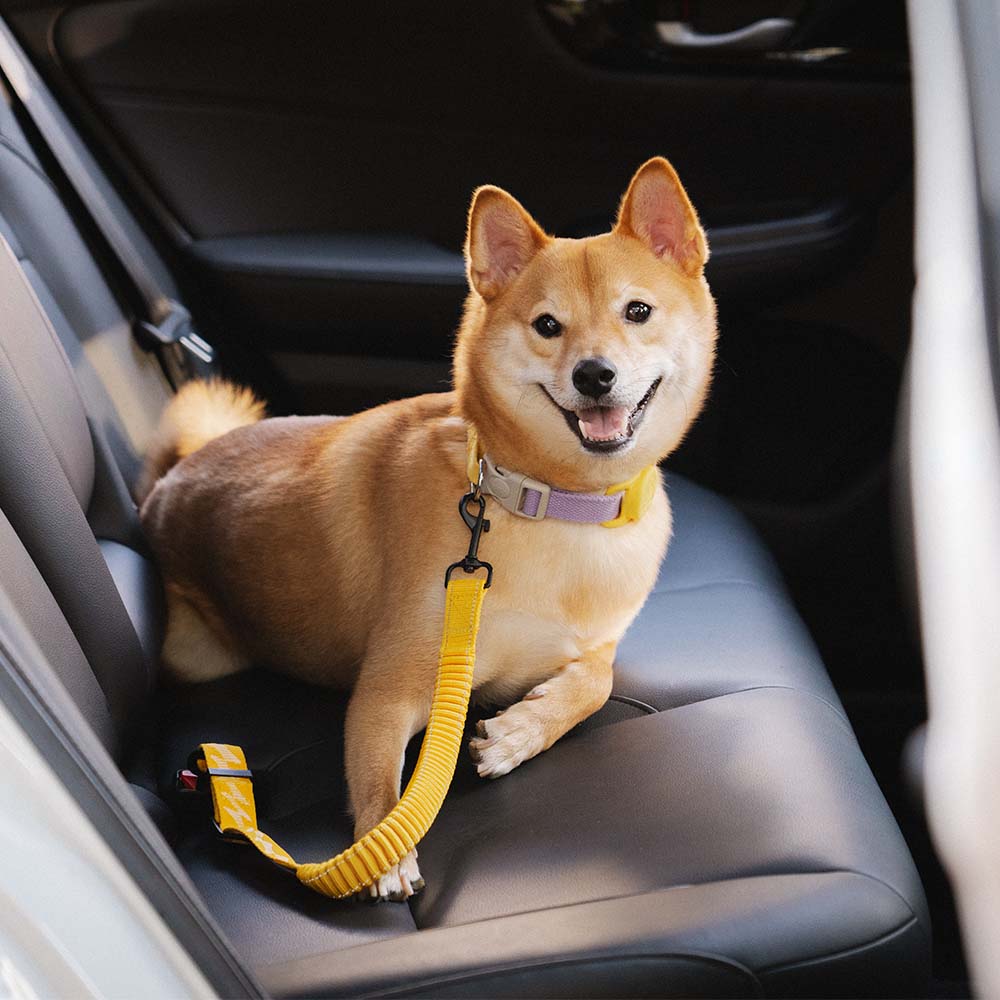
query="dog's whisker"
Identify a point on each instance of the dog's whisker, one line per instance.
(520, 399)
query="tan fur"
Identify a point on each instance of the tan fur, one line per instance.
(318, 545)
(198, 413)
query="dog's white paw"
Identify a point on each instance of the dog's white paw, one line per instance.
(398, 883)
(506, 740)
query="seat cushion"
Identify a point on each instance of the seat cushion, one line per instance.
(622, 856)
(714, 830)
(719, 619)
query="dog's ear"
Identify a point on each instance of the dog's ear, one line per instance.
(501, 239)
(656, 210)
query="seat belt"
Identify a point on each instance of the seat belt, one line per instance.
(165, 325)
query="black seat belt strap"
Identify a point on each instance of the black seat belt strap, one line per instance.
(166, 325)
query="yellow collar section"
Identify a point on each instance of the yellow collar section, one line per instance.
(510, 489)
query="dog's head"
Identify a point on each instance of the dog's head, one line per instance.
(582, 361)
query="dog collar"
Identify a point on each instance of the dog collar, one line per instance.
(619, 504)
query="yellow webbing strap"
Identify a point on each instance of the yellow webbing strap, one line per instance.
(381, 848)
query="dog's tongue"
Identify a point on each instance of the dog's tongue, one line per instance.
(603, 423)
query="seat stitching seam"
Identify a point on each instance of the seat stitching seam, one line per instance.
(871, 878)
(706, 956)
(472, 976)
(771, 970)
(41, 424)
(46, 322)
(14, 151)
(762, 687)
(624, 699)
(668, 888)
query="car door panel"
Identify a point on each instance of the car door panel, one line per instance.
(381, 123)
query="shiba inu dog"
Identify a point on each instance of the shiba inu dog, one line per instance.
(319, 544)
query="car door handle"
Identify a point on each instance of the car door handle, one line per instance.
(768, 33)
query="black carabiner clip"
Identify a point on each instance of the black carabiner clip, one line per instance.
(477, 524)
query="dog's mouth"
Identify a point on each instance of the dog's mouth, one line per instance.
(606, 429)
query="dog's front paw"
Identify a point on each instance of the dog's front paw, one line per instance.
(398, 883)
(506, 740)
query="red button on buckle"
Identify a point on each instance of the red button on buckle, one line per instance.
(187, 781)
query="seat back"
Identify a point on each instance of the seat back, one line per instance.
(78, 401)
(53, 478)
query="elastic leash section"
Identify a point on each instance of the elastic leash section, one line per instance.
(364, 862)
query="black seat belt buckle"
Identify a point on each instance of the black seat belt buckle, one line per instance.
(185, 354)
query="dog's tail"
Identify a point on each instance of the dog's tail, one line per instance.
(200, 412)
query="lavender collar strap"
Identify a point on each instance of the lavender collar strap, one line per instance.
(527, 497)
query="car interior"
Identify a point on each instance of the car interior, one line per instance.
(276, 193)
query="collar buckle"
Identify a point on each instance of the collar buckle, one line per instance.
(637, 495)
(525, 497)
(526, 485)
(511, 490)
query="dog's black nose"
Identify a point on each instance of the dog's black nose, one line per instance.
(594, 376)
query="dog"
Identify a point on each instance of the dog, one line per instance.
(318, 544)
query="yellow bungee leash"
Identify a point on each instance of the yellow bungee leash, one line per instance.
(364, 862)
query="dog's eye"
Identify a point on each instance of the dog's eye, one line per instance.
(637, 312)
(547, 325)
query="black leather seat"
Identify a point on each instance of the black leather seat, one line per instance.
(730, 806)
(713, 831)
